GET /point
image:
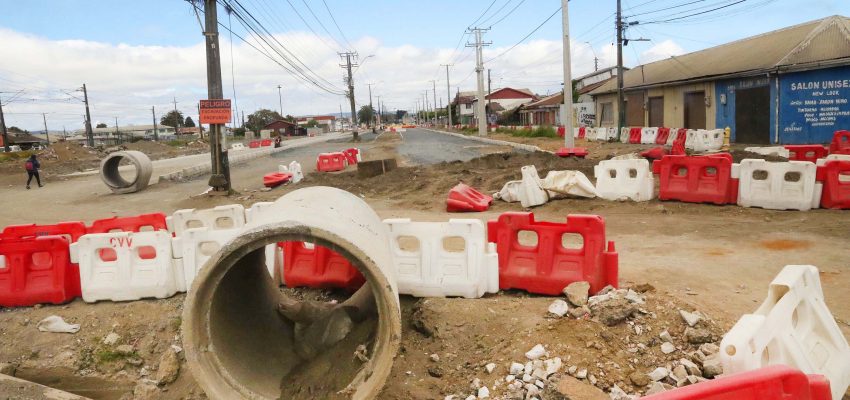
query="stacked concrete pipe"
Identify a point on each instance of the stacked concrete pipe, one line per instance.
(112, 177)
(238, 346)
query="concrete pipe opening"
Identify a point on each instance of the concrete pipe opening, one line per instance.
(239, 344)
(126, 171)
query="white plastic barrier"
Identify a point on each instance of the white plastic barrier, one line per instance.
(600, 134)
(575, 133)
(708, 140)
(237, 146)
(778, 151)
(624, 179)
(793, 326)
(690, 138)
(530, 193)
(612, 134)
(674, 133)
(258, 214)
(786, 185)
(431, 261)
(624, 134)
(194, 247)
(121, 266)
(298, 175)
(589, 134)
(222, 217)
(648, 135)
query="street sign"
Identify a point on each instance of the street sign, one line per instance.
(215, 111)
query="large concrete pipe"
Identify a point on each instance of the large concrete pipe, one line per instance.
(238, 344)
(111, 176)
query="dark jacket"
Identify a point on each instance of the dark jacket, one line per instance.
(35, 164)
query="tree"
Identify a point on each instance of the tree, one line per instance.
(101, 125)
(366, 114)
(261, 118)
(290, 118)
(189, 123)
(172, 119)
(311, 123)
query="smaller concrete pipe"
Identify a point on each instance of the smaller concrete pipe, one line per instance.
(237, 343)
(112, 177)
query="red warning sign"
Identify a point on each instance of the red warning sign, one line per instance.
(215, 111)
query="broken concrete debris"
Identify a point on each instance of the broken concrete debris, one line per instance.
(535, 352)
(559, 308)
(577, 293)
(690, 318)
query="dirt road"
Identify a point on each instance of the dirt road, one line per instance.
(718, 260)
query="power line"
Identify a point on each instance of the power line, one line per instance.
(527, 36)
(482, 14)
(484, 22)
(321, 24)
(508, 14)
(694, 14)
(666, 8)
(337, 25)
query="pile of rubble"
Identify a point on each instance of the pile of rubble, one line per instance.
(656, 358)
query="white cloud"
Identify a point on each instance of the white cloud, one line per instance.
(661, 51)
(125, 81)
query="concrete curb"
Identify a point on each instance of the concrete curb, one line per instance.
(237, 158)
(526, 147)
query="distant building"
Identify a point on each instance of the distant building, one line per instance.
(783, 87)
(126, 132)
(327, 123)
(282, 127)
(590, 82)
(463, 102)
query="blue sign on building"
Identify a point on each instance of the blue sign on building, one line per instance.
(813, 105)
(727, 103)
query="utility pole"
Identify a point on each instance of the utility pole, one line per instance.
(89, 133)
(621, 102)
(371, 109)
(3, 129)
(117, 134)
(220, 178)
(280, 100)
(156, 128)
(479, 69)
(46, 133)
(434, 91)
(379, 110)
(567, 111)
(489, 92)
(176, 114)
(350, 81)
(448, 93)
(243, 121)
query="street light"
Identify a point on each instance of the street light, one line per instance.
(595, 58)
(280, 100)
(363, 61)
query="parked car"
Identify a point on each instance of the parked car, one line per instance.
(12, 148)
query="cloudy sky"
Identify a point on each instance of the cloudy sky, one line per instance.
(137, 55)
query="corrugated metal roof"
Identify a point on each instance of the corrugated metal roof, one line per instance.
(825, 39)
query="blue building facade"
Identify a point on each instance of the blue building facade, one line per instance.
(790, 108)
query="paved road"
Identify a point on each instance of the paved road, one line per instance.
(425, 147)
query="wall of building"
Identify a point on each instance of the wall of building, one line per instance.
(674, 106)
(813, 105)
(725, 113)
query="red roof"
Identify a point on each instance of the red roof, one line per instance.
(511, 93)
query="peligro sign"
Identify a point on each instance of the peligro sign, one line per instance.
(215, 111)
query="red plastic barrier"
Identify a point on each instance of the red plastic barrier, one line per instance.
(266, 142)
(254, 144)
(634, 135)
(70, 230)
(155, 221)
(37, 270)
(663, 135)
(463, 198)
(697, 179)
(317, 267)
(275, 179)
(579, 152)
(548, 266)
(806, 152)
(777, 382)
(654, 153)
(562, 131)
(835, 175)
(330, 162)
(351, 155)
(582, 131)
(840, 143)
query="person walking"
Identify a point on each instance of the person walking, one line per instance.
(32, 166)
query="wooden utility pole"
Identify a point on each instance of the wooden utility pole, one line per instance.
(220, 178)
(350, 81)
(448, 93)
(3, 129)
(117, 133)
(89, 133)
(46, 133)
(155, 127)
